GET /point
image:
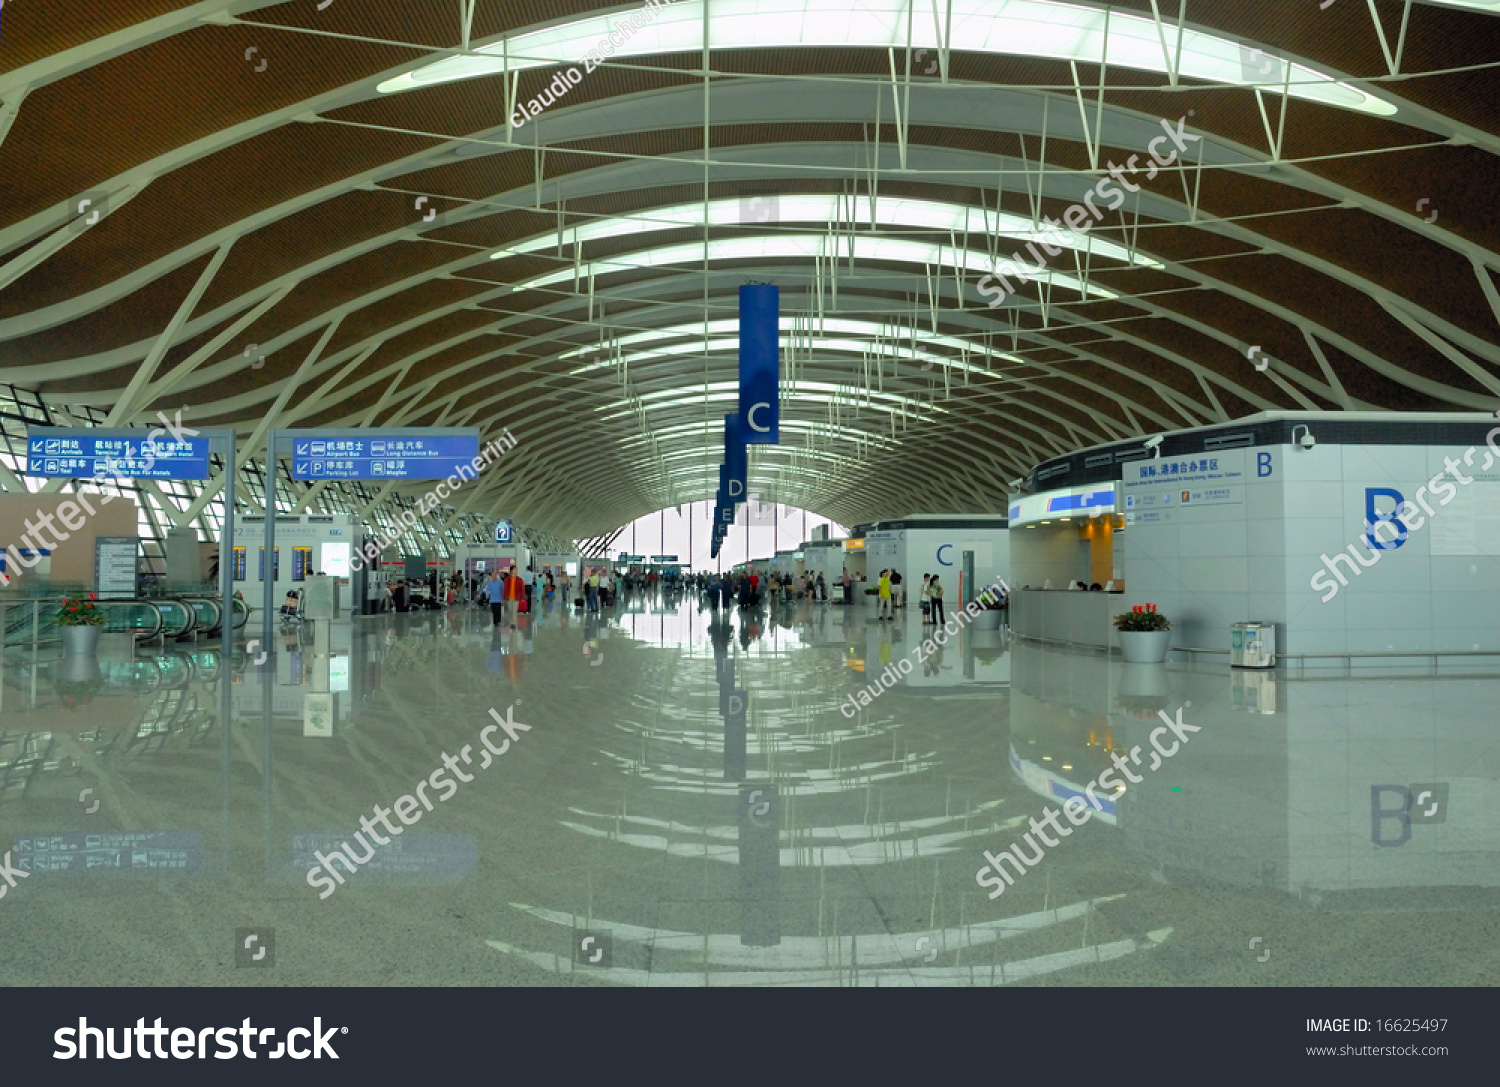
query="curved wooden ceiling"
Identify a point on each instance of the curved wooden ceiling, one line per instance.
(257, 188)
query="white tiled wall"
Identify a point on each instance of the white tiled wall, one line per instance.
(1213, 565)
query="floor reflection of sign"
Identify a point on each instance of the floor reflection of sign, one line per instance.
(114, 564)
(127, 851)
(317, 715)
(420, 858)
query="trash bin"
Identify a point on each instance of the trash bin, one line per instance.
(1252, 645)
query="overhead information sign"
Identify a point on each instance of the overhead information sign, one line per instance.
(74, 453)
(377, 454)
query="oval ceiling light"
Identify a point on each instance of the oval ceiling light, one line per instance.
(1032, 28)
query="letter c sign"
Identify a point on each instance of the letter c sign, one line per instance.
(941, 548)
(750, 417)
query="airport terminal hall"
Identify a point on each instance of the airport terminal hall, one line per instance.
(748, 494)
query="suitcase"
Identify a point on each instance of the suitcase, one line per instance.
(578, 603)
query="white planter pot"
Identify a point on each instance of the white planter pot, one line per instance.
(80, 641)
(872, 600)
(988, 619)
(1145, 646)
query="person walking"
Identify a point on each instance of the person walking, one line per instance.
(494, 593)
(884, 591)
(511, 592)
(898, 591)
(848, 588)
(591, 591)
(935, 594)
(822, 590)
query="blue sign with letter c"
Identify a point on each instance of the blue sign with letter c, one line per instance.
(941, 548)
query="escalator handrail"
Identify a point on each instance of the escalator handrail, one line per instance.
(192, 619)
(141, 634)
(216, 622)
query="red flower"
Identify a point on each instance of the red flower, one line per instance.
(93, 597)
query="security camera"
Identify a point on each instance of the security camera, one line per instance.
(1154, 444)
(1307, 441)
(1017, 484)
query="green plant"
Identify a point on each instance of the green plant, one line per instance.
(1142, 618)
(75, 611)
(873, 590)
(990, 601)
(77, 693)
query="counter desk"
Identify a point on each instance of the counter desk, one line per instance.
(1066, 615)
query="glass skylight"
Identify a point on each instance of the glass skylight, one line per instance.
(730, 345)
(802, 247)
(1032, 28)
(717, 426)
(895, 342)
(729, 391)
(893, 212)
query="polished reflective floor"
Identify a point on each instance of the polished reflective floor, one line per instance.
(701, 798)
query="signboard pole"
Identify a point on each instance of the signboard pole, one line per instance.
(268, 556)
(226, 582)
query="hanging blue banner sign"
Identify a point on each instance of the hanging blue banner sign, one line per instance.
(736, 460)
(760, 364)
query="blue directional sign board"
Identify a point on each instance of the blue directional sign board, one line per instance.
(374, 454)
(76, 454)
